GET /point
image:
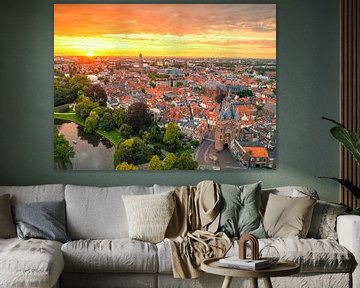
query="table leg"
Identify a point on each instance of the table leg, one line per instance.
(254, 282)
(227, 282)
(267, 283)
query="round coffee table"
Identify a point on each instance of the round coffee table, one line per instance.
(281, 268)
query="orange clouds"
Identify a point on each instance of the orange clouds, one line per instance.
(124, 25)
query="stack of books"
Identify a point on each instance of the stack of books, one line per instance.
(248, 264)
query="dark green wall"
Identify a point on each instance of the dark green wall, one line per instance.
(308, 89)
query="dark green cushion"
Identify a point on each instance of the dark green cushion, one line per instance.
(240, 213)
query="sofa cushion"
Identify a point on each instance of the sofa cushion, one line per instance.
(30, 263)
(287, 216)
(163, 188)
(291, 191)
(36, 193)
(323, 222)
(42, 220)
(240, 212)
(98, 213)
(117, 255)
(313, 255)
(149, 215)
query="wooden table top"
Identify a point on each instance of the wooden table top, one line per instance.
(281, 268)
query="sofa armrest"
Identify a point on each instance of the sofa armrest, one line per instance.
(348, 230)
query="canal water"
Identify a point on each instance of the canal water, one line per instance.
(92, 152)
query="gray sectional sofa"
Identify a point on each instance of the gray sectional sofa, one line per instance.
(101, 254)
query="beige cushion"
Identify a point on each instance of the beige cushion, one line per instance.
(292, 191)
(7, 226)
(149, 215)
(110, 255)
(287, 217)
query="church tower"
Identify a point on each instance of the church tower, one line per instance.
(228, 126)
(141, 62)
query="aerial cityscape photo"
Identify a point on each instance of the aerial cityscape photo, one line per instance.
(165, 86)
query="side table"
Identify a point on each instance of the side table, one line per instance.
(281, 268)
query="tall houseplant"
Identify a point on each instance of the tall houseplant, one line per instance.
(351, 141)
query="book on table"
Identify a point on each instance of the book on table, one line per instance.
(236, 262)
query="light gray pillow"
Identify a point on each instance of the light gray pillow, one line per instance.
(288, 217)
(323, 222)
(43, 220)
(240, 213)
(7, 226)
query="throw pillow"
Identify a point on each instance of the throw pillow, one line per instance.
(149, 215)
(288, 217)
(323, 222)
(43, 220)
(7, 227)
(240, 213)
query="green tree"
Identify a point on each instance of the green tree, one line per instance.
(132, 151)
(138, 116)
(172, 135)
(146, 136)
(100, 110)
(155, 133)
(126, 131)
(169, 162)
(126, 166)
(65, 108)
(107, 122)
(185, 162)
(91, 122)
(62, 91)
(97, 94)
(155, 163)
(63, 151)
(179, 84)
(119, 115)
(84, 107)
(157, 150)
(78, 83)
(194, 143)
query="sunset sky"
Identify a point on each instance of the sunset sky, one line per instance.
(178, 30)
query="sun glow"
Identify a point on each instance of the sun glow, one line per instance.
(192, 30)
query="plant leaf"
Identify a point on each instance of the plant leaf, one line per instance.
(349, 139)
(347, 184)
(333, 121)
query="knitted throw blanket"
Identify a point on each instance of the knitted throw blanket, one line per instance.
(191, 231)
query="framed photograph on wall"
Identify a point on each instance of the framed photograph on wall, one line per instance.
(165, 86)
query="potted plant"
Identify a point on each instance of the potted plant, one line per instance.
(351, 141)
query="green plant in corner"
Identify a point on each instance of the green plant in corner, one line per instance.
(351, 141)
